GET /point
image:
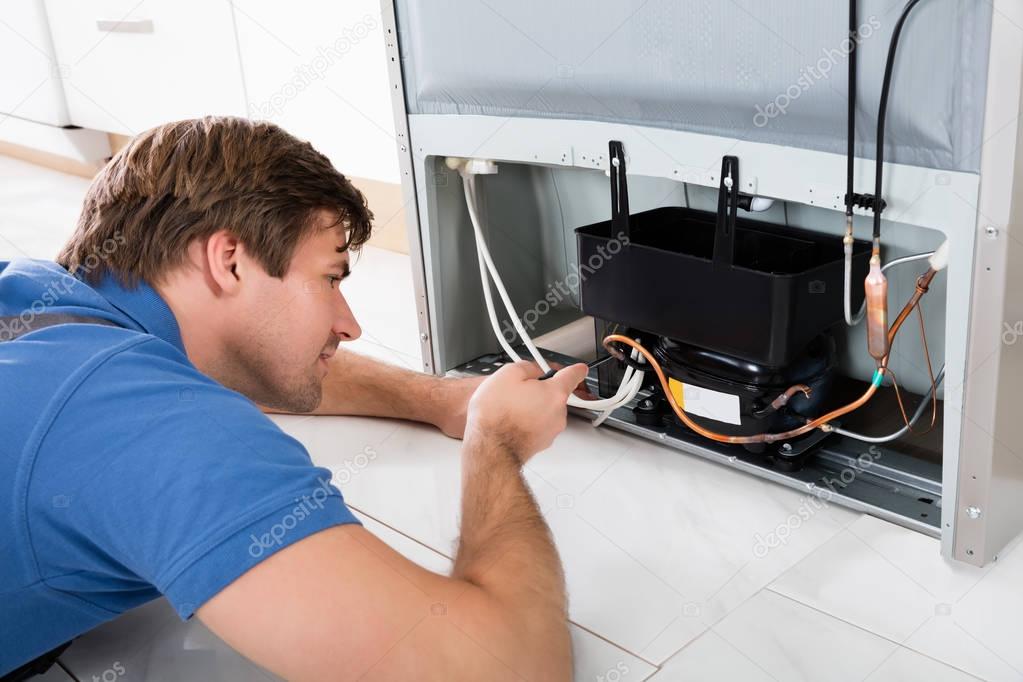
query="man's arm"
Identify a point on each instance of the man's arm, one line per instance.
(342, 605)
(359, 385)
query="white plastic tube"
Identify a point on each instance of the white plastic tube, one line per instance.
(632, 381)
(847, 297)
(934, 256)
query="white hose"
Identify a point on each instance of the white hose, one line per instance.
(632, 378)
(847, 297)
(906, 427)
(632, 381)
(848, 281)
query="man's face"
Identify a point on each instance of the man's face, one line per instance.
(295, 324)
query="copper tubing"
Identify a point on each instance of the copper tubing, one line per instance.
(783, 399)
(876, 293)
(922, 284)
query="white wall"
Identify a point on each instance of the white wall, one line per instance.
(318, 70)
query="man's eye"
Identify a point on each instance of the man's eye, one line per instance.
(334, 281)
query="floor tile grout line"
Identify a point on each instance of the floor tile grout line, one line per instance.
(1014, 545)
(821, 611)
(897, 649)
(713, 625)
(401, 533)
(616, 645)
(742, 653)
(871, 632)
(890, 563)
(586, 629)
(985, 646)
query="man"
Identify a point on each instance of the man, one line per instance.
(203, 279)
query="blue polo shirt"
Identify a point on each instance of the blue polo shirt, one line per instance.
(125, 473)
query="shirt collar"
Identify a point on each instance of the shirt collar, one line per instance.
(145, 307)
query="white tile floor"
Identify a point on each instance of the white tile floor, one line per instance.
(666, 577)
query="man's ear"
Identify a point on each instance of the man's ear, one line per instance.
(223, 256)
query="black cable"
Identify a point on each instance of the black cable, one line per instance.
(851, 136)
(882, 112)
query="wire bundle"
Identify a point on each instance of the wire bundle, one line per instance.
(632, 380)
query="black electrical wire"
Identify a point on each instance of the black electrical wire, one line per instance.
(882, 111)
(851, 136)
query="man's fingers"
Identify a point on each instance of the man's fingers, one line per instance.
(582, 390)
(568, 379)
(529, 369)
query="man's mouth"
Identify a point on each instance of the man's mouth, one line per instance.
(326, 355)
(328, 352)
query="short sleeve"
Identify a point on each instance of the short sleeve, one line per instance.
(168, 480)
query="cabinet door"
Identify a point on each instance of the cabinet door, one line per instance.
(30, 85)
(319, 71)
(130, 65)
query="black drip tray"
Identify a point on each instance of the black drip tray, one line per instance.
(764, 302)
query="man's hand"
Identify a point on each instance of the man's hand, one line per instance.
(521, 413)
(452, 395)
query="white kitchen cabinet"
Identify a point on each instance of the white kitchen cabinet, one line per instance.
(320, 71)
(130, 65)
(30, 84)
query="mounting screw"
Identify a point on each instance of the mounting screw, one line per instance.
(786, 447)
(973, 512)
(991, 231)
(423, 336)
(647, 403)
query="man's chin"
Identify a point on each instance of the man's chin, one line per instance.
(300, 402)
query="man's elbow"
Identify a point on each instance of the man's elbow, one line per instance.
(532, 641)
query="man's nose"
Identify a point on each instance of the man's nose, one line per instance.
(345, 326)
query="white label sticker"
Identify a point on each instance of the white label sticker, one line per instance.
(704, 402)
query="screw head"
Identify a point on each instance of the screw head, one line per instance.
(423, 336)
(991, 231)
(786, 447)
(973, 512)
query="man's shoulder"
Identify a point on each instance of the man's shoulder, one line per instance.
(92, 381)
(105, 363)
(146, 372)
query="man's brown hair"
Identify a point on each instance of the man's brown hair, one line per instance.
(186, 180)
